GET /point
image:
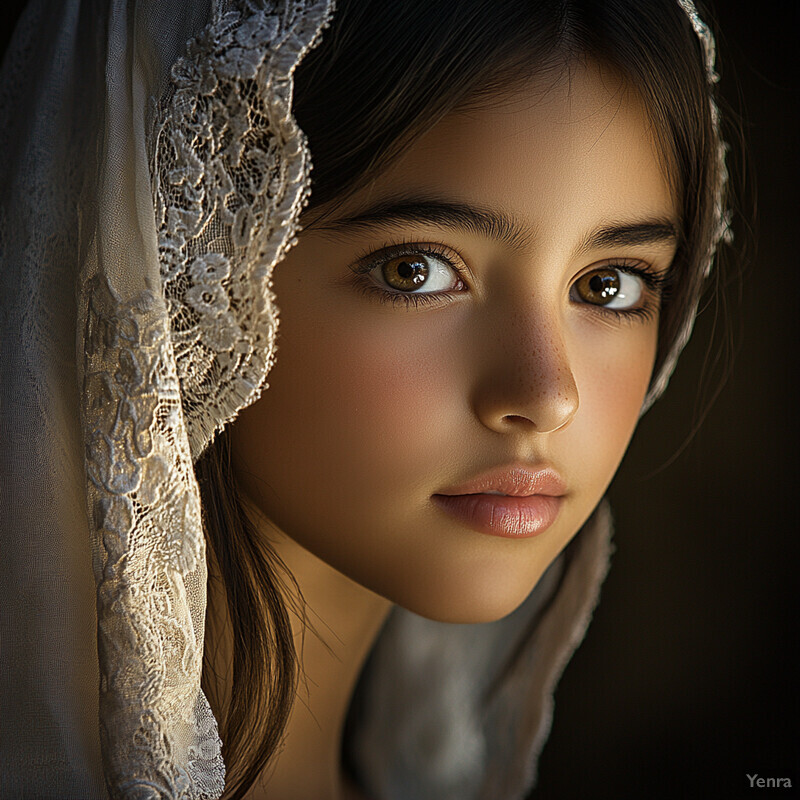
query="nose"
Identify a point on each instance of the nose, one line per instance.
(527, 383)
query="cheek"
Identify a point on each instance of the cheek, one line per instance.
(398, 396)
(354, 401)
(614, 377)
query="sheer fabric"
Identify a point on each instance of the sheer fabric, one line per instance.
(152, 188)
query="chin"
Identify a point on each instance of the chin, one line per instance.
(487, 596)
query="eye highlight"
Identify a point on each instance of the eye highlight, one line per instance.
(417, 272)
(610, 288)
(406, 273)
(620, 289)
(409, 273)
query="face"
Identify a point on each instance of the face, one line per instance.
(477, 323)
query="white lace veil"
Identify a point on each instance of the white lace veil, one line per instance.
(148, 189)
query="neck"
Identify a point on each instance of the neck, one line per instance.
(342, 621)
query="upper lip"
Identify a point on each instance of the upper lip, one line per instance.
(515, 480)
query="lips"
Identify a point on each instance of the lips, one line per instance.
(511, 502)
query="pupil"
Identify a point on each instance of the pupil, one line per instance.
(596, 283)
(404, 269)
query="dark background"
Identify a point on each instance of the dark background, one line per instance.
(688, 677)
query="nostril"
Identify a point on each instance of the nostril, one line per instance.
(517, 419)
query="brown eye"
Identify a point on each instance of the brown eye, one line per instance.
(416, 273)
(609, 287)
(405, 273)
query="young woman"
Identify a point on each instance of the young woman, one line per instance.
(512, 210)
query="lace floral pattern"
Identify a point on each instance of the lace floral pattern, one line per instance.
(163, 371)
(231, 170)
(158, 734)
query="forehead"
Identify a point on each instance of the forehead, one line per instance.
(575, 147)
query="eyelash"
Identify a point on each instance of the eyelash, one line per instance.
(656, 288)
(372, 259)
(656, 284)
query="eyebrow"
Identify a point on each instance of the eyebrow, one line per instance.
(490, 223)
(498, 225)
(650, 231)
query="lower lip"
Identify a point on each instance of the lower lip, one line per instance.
(502, 515)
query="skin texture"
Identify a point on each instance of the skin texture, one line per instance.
(373, 407)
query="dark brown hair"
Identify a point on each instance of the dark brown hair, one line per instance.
(383, 74)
